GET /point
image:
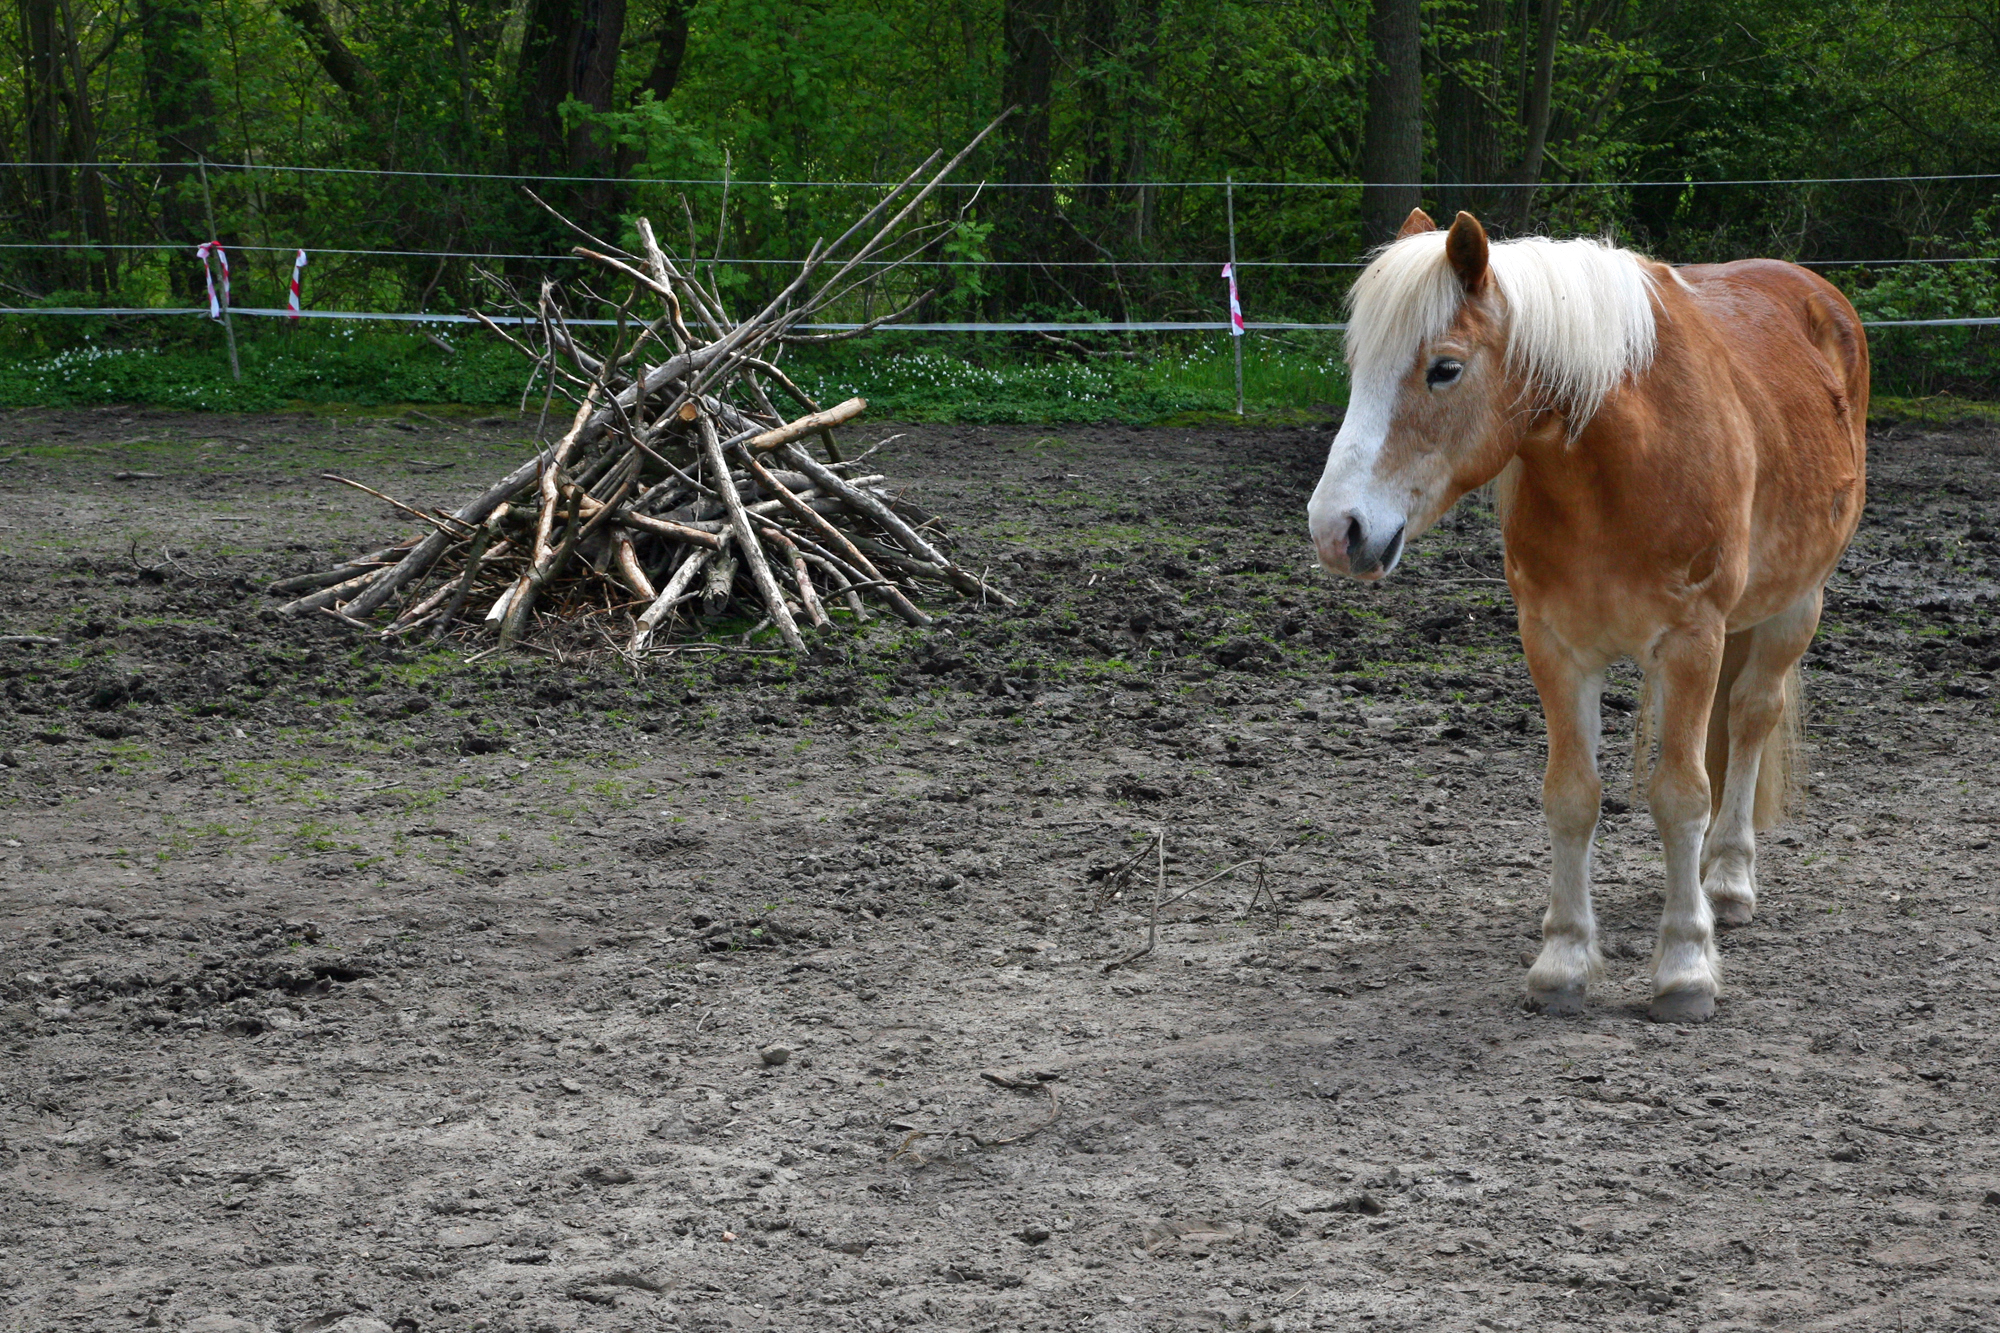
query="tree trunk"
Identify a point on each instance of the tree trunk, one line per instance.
(594, 62)
(1535, 110)
(665, 74)
(1141, 115)
(542, 82)
(1468, 120)
(1027, 214)
(1392, 146)
(1097, 48)
(569, 48)
(180, 102)
(335, 57)
(49, 198)
(93, 216)
(1098, 56)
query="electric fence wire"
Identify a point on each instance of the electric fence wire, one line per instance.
(1683, 184)
(1128, 326)
(84, 246)
(950, 326)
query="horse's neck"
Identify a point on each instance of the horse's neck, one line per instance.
(1559, 484)
(1503, 489)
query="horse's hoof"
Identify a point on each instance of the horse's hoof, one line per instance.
(1682, 1006)
(1566, 1003)
(1732, 912)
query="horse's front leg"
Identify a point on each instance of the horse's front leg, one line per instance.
(1686, 973)
(1570, 690)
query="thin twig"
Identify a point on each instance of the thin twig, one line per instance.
(907, 1146)
(1227, 870)
(1153, 926)
(440, 524)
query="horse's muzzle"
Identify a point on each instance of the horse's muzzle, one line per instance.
(1346, 546)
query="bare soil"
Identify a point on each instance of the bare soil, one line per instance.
(342, 980)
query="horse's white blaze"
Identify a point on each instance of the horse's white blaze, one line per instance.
(1349, 485)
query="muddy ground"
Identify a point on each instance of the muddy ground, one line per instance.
(344, 981)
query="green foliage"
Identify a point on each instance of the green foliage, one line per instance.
(351, 364)
(1922, 361)
(962, 279)
(422, 111)
(902, 379)
(954, 383)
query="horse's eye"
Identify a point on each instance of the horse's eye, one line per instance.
(1443, 371)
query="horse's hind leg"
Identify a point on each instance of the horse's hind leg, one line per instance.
(1735, 650)
(1571, 790)
(1756, 704)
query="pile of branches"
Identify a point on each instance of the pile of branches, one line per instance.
(680, 488)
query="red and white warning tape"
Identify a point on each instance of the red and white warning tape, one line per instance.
(298, 267)
(203, 252)
(1235, 305)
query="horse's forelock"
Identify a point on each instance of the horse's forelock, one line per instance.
(1579, 318)
(1578, 314)
(1406, 296)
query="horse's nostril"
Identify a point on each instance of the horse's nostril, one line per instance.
(1353, 536)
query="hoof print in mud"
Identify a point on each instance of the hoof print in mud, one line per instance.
(1132, 787)
(665, 843)
(1248, 655)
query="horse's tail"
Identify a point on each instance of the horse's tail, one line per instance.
(1645, 724)
(1779, 784)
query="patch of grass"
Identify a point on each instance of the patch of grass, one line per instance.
(1180, 382)
(317, 836)
(1938, 409)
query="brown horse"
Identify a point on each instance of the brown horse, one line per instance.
(1680, 459)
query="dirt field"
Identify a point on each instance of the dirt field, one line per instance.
(341, 980)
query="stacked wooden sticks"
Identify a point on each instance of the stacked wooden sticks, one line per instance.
(679, 488)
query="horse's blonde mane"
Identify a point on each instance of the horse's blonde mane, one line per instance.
(1579, 314)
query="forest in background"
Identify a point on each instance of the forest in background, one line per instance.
(1608, 116)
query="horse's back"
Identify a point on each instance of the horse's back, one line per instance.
(1775, 313)
(1795, 359)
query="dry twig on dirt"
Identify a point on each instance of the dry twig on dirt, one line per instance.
(1116, 880)
(1159, 847)
(907, 1148)
(679, 491)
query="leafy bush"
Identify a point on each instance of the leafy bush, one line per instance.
(1962, 359)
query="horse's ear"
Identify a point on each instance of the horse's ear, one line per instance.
(1418, 221)
(1465, 247)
